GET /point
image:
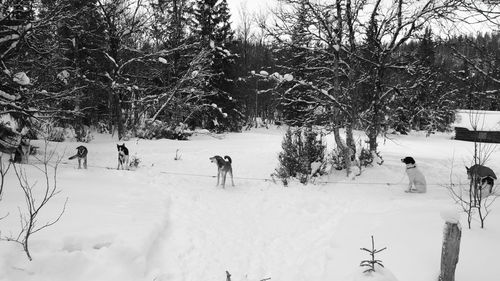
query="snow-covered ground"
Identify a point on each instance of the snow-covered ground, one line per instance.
(168, 221)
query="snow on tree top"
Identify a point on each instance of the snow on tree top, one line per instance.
(21, 78)
(263, 73)
(288, 77)
(276, 76)
(8, 96)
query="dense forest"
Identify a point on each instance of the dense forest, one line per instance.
(154, 68)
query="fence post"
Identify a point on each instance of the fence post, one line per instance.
(450, 251)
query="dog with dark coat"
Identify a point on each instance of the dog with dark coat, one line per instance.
(482, 179)
(123, 157)
(81, 154)
(417, 182)
(223, 167)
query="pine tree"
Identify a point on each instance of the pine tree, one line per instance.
(301, 147)
(223, 32)
(299, 41)
(213, 30)
(426, 49)
(171, 19)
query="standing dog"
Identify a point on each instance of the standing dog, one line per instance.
(81, 154)
(122, 156)
(481, 179)
(223, 167)
(417, 180)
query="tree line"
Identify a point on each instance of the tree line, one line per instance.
(124, 65)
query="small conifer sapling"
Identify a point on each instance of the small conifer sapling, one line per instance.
(370, 264)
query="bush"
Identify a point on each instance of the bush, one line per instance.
(134, 162)
(83, 134)
(162, 130)
(60, 134)
(301, 148)
(363, 158)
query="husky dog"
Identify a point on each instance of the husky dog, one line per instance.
(122, 157)
(481, 178)
(81, 154)
(223, 167)
(417, 182)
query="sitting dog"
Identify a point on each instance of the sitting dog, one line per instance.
(223, 167)
(122, 157)
(482, 179)
(417, 180)
(81, 154)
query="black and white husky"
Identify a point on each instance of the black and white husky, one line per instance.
(122, 156)
(81, 154)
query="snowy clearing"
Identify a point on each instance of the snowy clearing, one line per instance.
(168, 221)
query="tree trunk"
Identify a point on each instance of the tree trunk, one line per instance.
(350, 137)
(111, 119)
(118, 115)
(450, 251)
(372, 136)
(342, 148)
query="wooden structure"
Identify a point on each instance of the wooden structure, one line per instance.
(450, 251)
(477, 126)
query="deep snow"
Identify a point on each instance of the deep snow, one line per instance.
(168, 221)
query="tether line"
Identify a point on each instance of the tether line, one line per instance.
(250, 178)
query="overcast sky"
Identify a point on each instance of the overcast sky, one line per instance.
(252, 6)
(255, 6)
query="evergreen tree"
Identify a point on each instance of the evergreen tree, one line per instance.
(171, 20)
(213, 30)
(426, 49)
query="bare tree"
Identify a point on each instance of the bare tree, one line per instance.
(244, 31)
(36, 199)
(474, 199)
(124, 21)
(189, 88)
(349, 78)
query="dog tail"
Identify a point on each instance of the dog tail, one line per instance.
(73, 157)
(228, 159)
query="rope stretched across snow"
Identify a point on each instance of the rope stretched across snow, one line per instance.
(257, 179)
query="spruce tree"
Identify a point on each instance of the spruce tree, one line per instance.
(213, 30)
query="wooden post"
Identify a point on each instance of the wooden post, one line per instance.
(450, 251)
